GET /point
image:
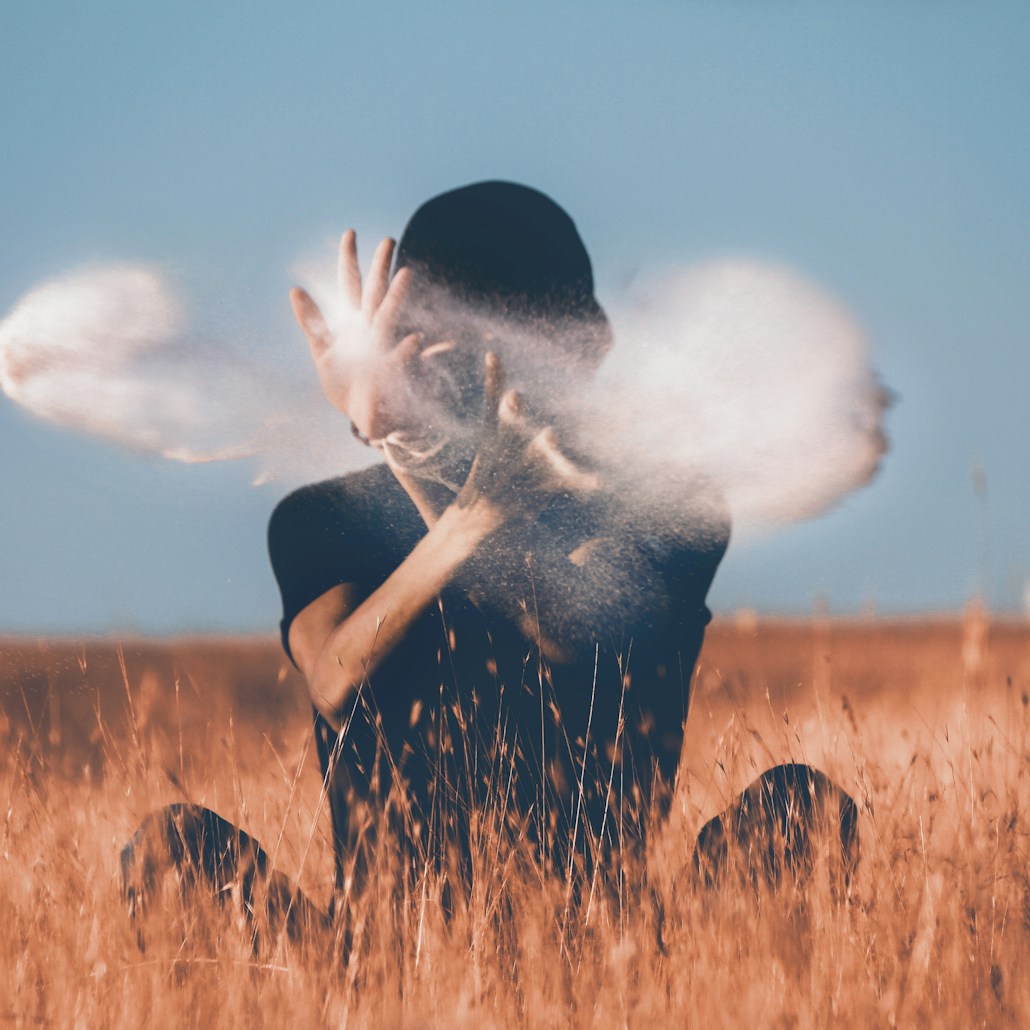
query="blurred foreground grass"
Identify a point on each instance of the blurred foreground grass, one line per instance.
(925, 723)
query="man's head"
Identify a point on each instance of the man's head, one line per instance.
(502, 253)
(493, 267)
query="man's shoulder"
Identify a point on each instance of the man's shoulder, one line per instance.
(364, 500)
(373, 488)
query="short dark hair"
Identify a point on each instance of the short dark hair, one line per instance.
(510, 249)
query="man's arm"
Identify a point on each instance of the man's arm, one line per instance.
(518, 470)
(339, 643)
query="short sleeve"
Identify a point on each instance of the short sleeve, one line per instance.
(353, 529)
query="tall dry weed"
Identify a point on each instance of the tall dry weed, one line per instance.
(936, 930)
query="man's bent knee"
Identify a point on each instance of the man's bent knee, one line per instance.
(774, 829)
(203, 854)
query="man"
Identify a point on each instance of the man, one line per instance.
(498, 643)
(493, 629)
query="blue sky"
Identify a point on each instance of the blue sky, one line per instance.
(881, 149)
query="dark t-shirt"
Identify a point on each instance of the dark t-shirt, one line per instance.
(533, 681)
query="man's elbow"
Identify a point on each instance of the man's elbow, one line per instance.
(334, 687)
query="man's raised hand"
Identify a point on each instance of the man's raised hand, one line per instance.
(520, 466)
(362, 367)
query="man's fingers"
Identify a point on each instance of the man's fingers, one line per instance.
(494, 387)
(409, 348)
(571, 478)
(378, 279)
(440, 347)
(511, 407)
(348, 271)
(384, 320)
(310, 320)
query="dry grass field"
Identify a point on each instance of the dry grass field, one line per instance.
(925, 723)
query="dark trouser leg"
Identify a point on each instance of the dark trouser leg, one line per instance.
(209, 856)
(773, 830)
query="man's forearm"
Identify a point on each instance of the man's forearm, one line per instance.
(565, 591)
(431, 499)
(504, 576)
(354, 650)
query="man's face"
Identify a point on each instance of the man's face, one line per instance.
(437, 391)
(434, 389)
